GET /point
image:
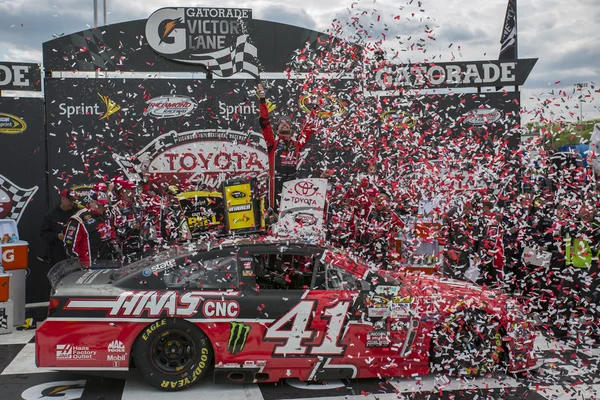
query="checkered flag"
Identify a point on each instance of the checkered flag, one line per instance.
(242, 57)
(20, 197)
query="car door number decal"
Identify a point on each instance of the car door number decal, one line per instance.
(296, 335)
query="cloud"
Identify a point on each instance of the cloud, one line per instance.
(286, 15)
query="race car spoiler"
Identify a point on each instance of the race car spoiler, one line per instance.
(66, 267)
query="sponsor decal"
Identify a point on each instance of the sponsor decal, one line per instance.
(154, 304)
(11, 125)
(305, 219)
(379, 338)
(378, 312)
(209, 157)
(210, 36)
(159, 268)
(230, 111)
(171, 106)
(398, 119)
(61, 390)
(221, 309)
(238, 335)
(387, 290)
(187, 381)
(14, 199)
(72, 352)
(116, 346)
(401, 310)
(110, 107)
(483, 116)
(328, 106)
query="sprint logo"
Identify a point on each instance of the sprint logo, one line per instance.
(237, 337)
(110, 106)
(116, 346)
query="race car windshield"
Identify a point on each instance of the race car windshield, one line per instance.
(149, 261)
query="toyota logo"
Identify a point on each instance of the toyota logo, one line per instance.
(305, 188)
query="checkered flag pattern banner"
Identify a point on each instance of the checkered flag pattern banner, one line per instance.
(239, 58)
(20, 197)
(3, 319)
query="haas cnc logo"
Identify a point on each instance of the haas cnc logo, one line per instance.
(14, 199)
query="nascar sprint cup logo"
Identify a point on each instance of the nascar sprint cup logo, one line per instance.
(170, 106)
(211, 36)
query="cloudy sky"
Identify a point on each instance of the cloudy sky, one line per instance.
(564, 35)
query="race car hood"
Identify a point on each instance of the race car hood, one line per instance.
(434, 286)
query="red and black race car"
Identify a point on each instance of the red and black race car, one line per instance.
(258, 310)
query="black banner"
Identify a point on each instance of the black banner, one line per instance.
(455, 74)
(216, 38)
(208, 132)
(23, 183)
(125, 47)
(20, 76)
(509, 40)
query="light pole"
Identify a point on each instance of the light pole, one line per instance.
(580, 87)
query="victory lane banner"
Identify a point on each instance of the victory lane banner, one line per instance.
(213, 37)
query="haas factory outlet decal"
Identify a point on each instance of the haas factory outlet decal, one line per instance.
(156, 304)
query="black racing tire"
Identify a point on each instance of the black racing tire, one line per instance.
(467, 343)
(172, 354)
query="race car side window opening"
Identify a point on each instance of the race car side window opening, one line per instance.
(214, 273)
(334, 278)
(283, 271)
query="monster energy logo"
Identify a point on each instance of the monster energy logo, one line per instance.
(237, 337)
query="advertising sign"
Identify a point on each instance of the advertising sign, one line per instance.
(455, 74)
(240, 206)
(213, 37)
(302, 209)
(23, 184)
(20, 76)
(11, 125)
(203, 211)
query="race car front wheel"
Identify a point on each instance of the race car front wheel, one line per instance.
(172, 354)
(467, 343)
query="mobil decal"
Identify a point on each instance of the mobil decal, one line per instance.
(209, 156)
(11, 125)
(155, 304)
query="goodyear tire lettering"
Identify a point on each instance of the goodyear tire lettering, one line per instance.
(152, 328)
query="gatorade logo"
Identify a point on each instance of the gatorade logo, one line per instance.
(8, 256)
